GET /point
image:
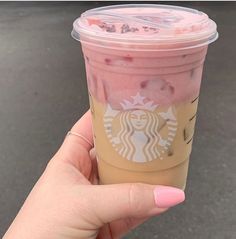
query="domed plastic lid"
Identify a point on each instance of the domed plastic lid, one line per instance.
(145, 24)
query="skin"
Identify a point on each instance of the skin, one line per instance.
(67, 203)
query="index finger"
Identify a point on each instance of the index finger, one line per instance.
(83, 127)
(75, 150)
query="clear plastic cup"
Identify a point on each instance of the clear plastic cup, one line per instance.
(144, 66)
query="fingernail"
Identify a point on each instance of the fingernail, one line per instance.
(166, 197)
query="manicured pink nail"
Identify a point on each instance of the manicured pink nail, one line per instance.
(168, 196)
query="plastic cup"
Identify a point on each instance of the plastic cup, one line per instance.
(144, 66)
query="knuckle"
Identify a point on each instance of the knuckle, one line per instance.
(136, 200)
(52, 166)
(129, 223)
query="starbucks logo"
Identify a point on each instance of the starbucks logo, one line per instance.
(136, 131)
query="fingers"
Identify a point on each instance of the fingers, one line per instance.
(114, 202)
(121, 227)
(84, 128)
(75, 149)
(93, 178)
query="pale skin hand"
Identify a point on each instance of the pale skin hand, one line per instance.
(66, 203)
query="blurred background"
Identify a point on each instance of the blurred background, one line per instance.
(43, 92)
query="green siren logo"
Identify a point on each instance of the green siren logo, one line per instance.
(136, 132)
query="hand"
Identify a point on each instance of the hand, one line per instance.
(64, 203)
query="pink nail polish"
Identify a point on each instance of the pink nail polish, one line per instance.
(166, 197)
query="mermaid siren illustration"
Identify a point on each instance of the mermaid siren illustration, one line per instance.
(136, 135)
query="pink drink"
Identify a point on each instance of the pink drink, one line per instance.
(144, 66)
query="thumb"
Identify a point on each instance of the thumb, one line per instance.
(118, 201)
